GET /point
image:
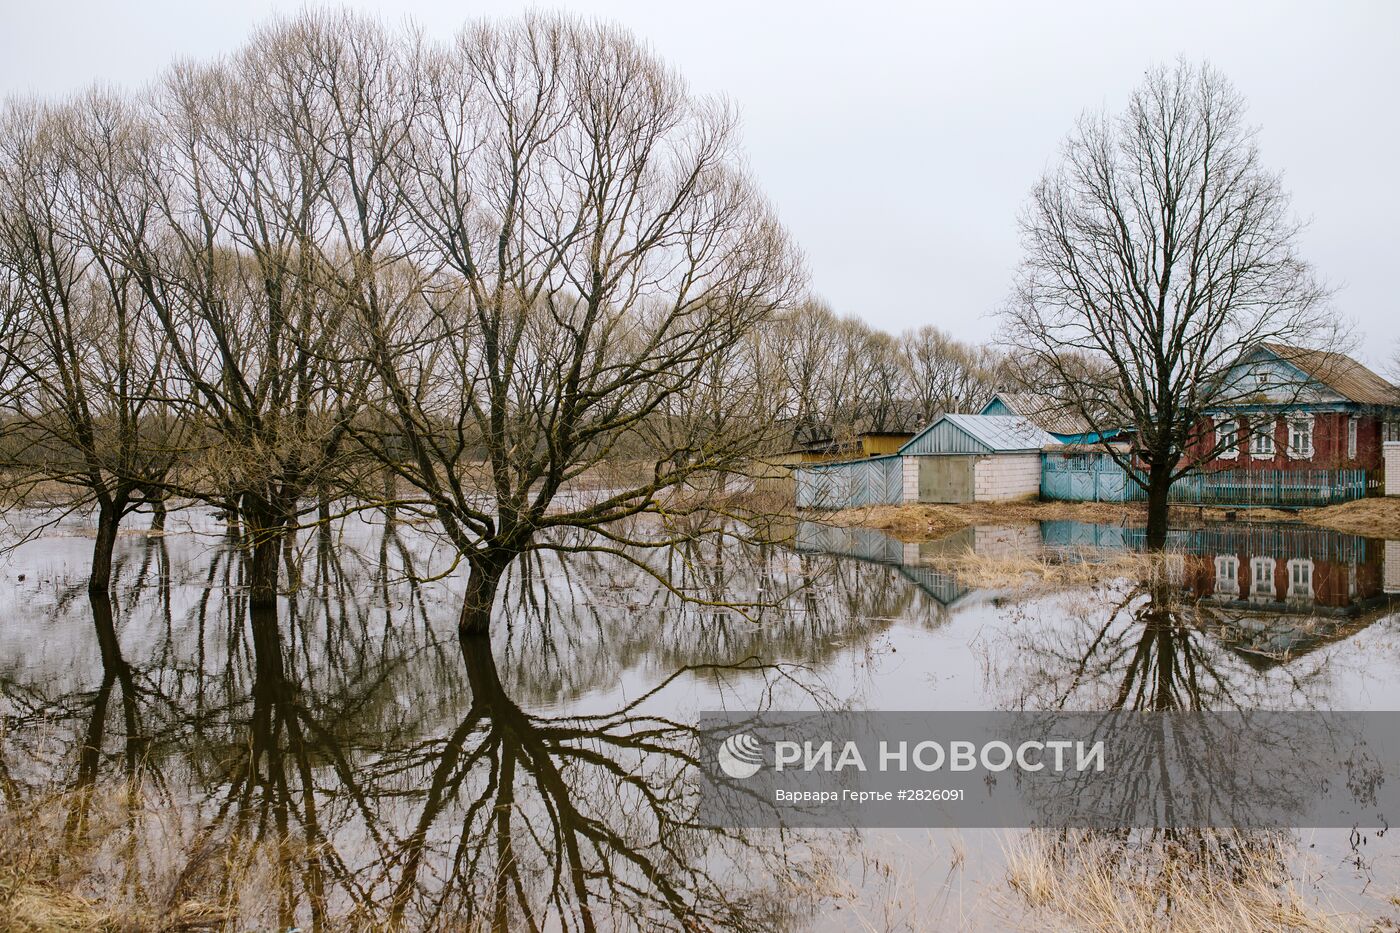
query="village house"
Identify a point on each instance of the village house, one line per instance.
(820, 442)
(1301, 409)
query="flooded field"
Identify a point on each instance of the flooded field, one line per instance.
(348, 765)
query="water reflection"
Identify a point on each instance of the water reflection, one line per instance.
(349, 762)
(345, 758)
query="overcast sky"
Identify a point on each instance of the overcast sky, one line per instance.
(899, 141)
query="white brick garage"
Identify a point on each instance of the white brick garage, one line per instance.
(1008, 476)
(974, 458)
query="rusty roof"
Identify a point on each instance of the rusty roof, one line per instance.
(1340, 373)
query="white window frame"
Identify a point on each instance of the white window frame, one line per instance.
(1261, 441)
(1353, 428)
(1299, 453)
(1227, 431)
(1227, 583)
(1258, 580)
(1295, 587)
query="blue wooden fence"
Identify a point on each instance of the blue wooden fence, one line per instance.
(1091, 477)
(850, 483)
(1096, 478)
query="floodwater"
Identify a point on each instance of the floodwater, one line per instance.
(349, 764)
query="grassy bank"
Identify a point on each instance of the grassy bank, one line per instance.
(1375, 517)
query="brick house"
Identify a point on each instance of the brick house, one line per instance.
(1300, 409)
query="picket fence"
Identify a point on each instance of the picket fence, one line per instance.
(1099, 479)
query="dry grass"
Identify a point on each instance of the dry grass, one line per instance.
(922, 522)
(58, 879)
(1375, 518)
(984, 571)
(1226, 884)
(887, 883)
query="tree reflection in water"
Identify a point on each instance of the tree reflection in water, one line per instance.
(1143, 647)
(1139, 645)
(351, 763)
(342, 765)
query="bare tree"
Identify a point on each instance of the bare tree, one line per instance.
(1156, 255)
(946, 374)
(222, 243)
(801, 342)
(578, 248)
(87, 386)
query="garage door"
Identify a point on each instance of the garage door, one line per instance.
(946, 479)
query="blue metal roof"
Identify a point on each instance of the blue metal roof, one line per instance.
(979, 434)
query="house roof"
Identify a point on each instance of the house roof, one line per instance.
(994, 433)
(1340, 373)
(1044, 411)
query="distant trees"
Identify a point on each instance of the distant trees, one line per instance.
(843, 376)
(1155, 255)
(949, 375)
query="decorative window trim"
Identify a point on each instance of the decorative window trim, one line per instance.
(1299, 453)
(1257, 581)
(1227, 584)
(1353, 430)
(1257, 438)
(1227, 430)
(1295, 590)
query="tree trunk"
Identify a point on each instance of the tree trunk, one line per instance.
(100, 578)
(483, 579)
(1158, 488)
(289, 559)
(264, 529)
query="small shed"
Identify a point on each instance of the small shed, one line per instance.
(974, 458)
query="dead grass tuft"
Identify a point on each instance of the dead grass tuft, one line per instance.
(923, 522)
(1103, 884)
(58, 879)
(1374, 518)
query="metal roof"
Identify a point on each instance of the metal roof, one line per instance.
(951, 434)
(1053, 417)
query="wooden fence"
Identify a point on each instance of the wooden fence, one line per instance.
(1269, 487)
(850, 483)
(1099, 479)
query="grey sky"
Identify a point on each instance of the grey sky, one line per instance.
(899, 141)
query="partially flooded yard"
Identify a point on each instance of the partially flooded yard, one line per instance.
(173, 761)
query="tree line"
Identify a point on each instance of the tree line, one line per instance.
(514, 282)
(520, 281)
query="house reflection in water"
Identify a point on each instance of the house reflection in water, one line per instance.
(1271, 592)
(1276, 591)
(907, 559)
